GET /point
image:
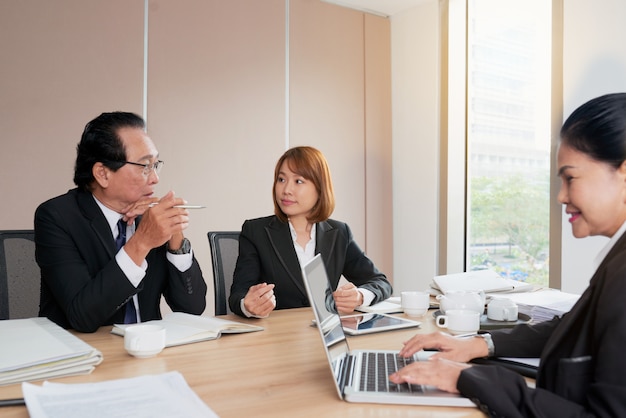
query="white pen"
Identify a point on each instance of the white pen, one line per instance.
(151, 205)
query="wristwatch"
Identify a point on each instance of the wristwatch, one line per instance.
(491, 349)
(185, 248)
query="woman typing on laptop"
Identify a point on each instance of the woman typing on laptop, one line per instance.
(582, 370)
(272, 249)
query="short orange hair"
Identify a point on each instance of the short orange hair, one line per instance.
(311, 164)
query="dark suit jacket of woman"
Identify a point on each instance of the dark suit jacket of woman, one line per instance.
(583, 365)
(83, 287)
(267, 254)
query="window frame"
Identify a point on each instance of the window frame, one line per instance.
(453, 226)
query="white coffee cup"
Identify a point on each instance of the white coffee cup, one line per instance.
(502, 309)
(144, 341)
(415, 303)
(459, 321)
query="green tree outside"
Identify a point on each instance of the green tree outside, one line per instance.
(509, 226)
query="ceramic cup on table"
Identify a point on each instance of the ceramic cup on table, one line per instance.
(415, 303)
(461, 299)
(502, 309)
(144, 341)
(459, 321)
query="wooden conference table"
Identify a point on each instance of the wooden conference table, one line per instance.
(281, 371)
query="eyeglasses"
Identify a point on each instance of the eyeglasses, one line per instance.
(147, 168)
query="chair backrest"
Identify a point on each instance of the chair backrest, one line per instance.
(224, 252)
(20, 277)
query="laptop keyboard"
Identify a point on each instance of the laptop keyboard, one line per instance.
(375, 371)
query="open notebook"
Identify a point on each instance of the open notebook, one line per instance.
(361, 376)
(182, 328)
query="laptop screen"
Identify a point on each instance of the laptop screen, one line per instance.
(346, 367)
(328, 322)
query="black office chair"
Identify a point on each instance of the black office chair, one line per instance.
(20, 278)
(224, 252)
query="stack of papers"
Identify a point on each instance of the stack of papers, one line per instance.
(37, 349)
(183, 328)
(164, 395)
(545, 304)
(474, 281)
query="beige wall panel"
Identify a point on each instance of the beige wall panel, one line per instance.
(415, 104)
(327, 99)
(216, 108)
(594, 63)
(63, 63)
(378, 180)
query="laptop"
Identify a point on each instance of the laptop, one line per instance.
(362, 376)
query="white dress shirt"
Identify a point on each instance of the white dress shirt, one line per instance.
(133, 272)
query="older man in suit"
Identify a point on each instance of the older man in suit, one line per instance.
(109, 249)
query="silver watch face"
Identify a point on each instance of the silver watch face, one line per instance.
(185, 248)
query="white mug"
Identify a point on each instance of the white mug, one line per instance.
(502, 309)
(459, 321)
(144, 341)
(415, 303)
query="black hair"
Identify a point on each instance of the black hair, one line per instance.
(598, 129)
(100, 142)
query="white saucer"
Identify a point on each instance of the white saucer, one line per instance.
(144, 353)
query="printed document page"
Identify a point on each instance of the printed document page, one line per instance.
(164, 395)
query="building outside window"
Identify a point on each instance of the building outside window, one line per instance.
(508, 137)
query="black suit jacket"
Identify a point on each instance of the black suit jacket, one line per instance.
(582, 371)
(266, 254)
(83, 287)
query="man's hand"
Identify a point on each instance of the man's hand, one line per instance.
(159, 224)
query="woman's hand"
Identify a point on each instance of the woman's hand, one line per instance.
(438, 372)
(347, 298)
(260, 299)
(450, 348)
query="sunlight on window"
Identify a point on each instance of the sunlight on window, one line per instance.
(508, 132)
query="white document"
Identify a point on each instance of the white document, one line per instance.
(544, 304)
(164, 395)
(485, 280)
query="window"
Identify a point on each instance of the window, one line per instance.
(507, 99)
(508, 137)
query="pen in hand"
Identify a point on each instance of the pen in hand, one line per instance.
(151, 205)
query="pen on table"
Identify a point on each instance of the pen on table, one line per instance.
(151, 205)
(12, 402)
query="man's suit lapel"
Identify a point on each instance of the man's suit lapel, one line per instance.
(280, 238)
(89, 208)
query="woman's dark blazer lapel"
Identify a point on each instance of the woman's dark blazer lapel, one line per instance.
(279, 237)
(326, 238)
(580, 311)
